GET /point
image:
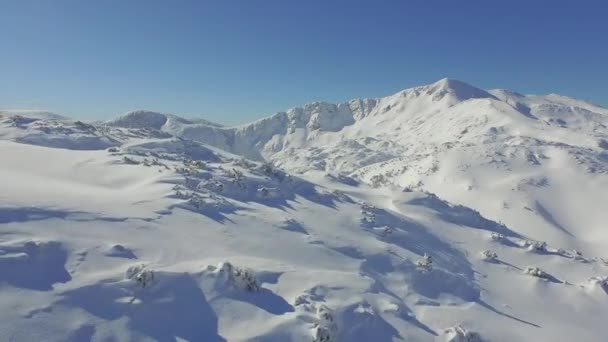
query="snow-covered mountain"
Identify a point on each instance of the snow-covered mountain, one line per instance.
(442, 212)
(32, 114)
(463, 143)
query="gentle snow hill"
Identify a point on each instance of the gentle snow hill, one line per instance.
(440, 213)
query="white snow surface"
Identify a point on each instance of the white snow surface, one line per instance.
(440, 213)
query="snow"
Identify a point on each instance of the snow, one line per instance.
(442, 212)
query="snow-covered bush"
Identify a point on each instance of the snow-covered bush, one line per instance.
(269, 170)
(128, 160)
(602, 281)
(341, 196)
(237, 178)
(368, 218)
(578, 256)
(199, 164)
(322, 334)
(497, 236)
(460, 334)
(385, 231)
(326, 328)
(239, 277)
(378, 180)
(536, 272)
(17, 120)
(113, 149)
(245, 279)
(425, 263)
(535, 246)
(244, 163)
(489, 255)
(264, 191)
(140, 274)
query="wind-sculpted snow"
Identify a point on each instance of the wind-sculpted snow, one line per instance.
(442, 212)
(32, 264)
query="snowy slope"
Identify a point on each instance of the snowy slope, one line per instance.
(155, 228)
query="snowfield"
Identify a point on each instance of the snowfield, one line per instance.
(440, 213)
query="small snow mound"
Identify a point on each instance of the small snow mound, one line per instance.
(120, 251)
(293, 226)
(460, 334)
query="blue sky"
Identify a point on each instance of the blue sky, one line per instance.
(235, 61)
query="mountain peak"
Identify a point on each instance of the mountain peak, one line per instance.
(458, 89)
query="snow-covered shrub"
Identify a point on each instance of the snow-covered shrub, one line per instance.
(326, 328)
(378, 180)
(460, 334)
(535, 246)
(239, 277)
(237, 178)
(425, 263)
(578, 256)
(497, 236)
(245, 279)
(489, 255)
(341, 196)
(128, 160)
(264, 191)
(199, 164)
(196, 201)
(322, 334)
(113, 149)
(180, 193)
(17, 120)
(601, 282)
(385, 231)
(301, 300)
(536, 272)
(269, 170)
(368, 218)
(244, 163)
(140, 274)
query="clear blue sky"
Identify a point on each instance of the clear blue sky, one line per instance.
(234, 61)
